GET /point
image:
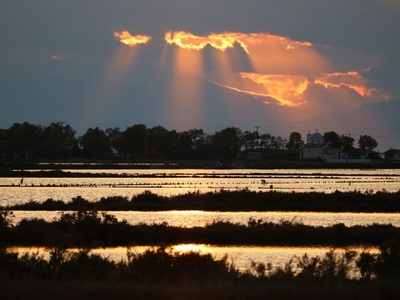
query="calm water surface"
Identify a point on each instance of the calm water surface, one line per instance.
(194, 218)
(241, 257)
(174, 182)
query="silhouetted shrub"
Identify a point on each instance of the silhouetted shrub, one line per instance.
(388, 261)
(149, 201)
(366, 263)
(92, 228)
(159, 264)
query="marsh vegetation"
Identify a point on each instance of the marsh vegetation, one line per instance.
(159, 273)
(224, 200)
(92, 228)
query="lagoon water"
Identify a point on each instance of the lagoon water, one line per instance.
(180, 181)
(195, 218)
(240, 257)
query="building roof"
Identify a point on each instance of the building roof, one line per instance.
(316, 135)
(392, 151)
(315, 138)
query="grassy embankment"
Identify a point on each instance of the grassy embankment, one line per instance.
(16, 168)
(243, 200)
(93, 229)
(86, 227)
(157, 274)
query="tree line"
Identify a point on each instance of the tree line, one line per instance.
(59, 141)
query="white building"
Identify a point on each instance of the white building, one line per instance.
(314, 146)
(315, 138)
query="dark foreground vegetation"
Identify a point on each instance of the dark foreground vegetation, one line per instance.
(159, 274)
(93, 229)
(244, 200)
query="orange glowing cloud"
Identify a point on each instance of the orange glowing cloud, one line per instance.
(126, 38)
(226, 40)
(285, 89)
(276, 68)
(281, 65)
(222, 41)
(352, 80)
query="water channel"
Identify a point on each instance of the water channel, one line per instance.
(180, 181)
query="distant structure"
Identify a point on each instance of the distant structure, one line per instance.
(392, 154)
(315, 138)
(315, 148)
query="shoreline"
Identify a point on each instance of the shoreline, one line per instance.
(7, 166)
(89, 229)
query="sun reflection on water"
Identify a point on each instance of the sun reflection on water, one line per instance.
(185, 248)
(240, 256)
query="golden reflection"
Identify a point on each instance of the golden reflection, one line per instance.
(185, 248)
(126, 38)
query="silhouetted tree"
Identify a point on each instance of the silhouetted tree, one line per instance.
(279, 142)
(95, 144)
(295, 142)
(332, 139)
(265, 140)
(367, 142)
(201, 143)
(227, 143)
(134, 140)
(250, 140)
(116, 141)
(25, 140)
(29, 141)
(184, 147)
(60, 141)
(4, 144)
(347, 143)
(159, 142)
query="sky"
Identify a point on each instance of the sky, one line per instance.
(276, 65)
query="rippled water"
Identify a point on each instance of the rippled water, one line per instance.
(173, 182)
(241, 257)
(201, 218)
